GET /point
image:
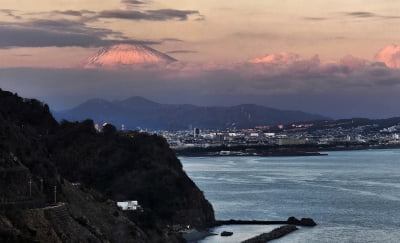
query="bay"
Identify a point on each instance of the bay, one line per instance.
(354, 196)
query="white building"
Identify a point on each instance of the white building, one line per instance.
(128, 205)
(269, 134)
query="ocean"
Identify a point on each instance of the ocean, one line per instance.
(354, 196)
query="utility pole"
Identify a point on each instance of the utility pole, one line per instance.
(41, 185)
(55, 194)
(30, 187)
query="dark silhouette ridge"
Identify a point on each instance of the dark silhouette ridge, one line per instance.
(38, 156)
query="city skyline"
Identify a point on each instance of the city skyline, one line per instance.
(335, 58)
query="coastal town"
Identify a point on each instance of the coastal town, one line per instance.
(321, 133)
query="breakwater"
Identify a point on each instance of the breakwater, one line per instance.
(308, 222)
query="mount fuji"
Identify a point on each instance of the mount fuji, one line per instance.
(126, 55)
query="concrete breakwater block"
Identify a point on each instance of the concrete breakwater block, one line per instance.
(226, 233)
(274, 234)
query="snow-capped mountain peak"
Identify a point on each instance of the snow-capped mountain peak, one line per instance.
(123, 55)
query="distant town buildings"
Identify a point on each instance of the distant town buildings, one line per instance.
(282, 135)
(294, 134)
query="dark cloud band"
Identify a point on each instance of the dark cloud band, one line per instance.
(60, 33)
(181, 52)
(151, 15)
(133, 2)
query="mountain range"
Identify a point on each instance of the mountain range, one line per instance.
(138, 112)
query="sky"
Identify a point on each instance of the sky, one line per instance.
(339, 58)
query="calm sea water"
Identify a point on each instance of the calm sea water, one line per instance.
(354, 196)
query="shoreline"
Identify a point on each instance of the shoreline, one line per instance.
(253, 155)
(274, 151)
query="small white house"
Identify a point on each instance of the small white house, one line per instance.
(128, 205)
(225, 153)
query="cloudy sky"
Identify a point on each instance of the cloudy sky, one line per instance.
(335, 57)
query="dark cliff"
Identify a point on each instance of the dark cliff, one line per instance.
(38, 155)
(131, 166)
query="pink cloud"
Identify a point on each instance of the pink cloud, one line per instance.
(390, 55)
(283, 58)
(296, 63)
(353, 62)
(291, 64)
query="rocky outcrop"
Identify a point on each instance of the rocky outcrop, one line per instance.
(303, 222)
(307, 222)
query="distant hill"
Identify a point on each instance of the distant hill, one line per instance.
(137, 112)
